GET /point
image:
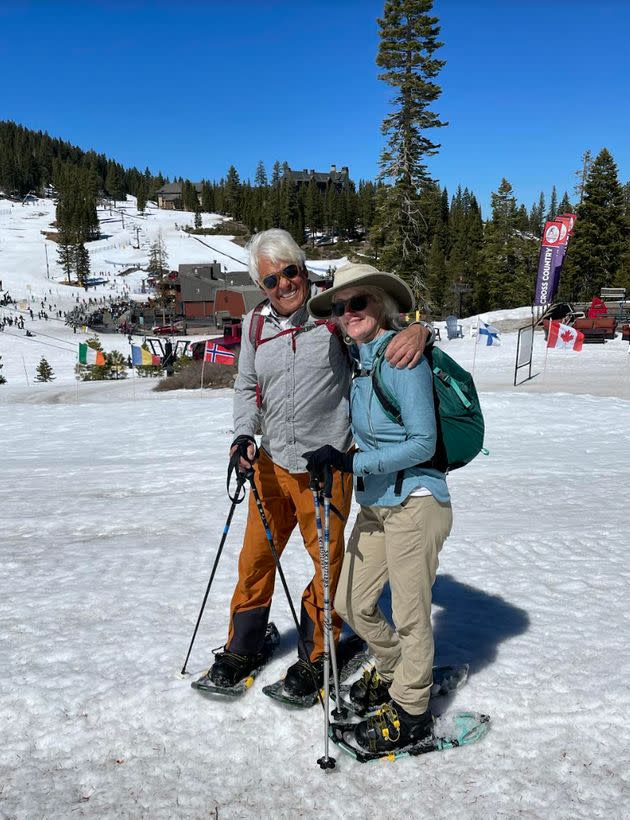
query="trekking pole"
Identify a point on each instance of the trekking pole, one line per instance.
(235, 499)
(326, 762)
(302, 644)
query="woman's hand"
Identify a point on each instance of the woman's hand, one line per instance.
(316, 460)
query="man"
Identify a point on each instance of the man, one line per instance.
(293, 383)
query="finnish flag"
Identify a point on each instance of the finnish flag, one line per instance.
(489, 333)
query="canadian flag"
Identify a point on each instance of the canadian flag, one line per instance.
(564, 336)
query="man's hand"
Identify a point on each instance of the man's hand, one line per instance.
(247, 449)
(407, 346)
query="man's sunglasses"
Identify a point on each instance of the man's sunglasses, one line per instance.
(355, 303)
(271, 281)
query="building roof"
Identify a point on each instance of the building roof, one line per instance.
(306, 175)
(175, 188)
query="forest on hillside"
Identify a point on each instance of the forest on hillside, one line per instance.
(471, 263)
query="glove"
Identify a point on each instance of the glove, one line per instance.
(242, 444)
(316, 460)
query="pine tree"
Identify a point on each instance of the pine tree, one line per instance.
(437, 279)
(313, 208)
(232, 202)
(158, 258)
(595, 256)
(82, 264)
(408, 42)
(2, 378)
(582, 175)
(537, 216)
(552, 213)
(141, 196)
(508, 258)
(565, 206)
(115, 181)
(260, 179)
(45, 372)
(275, 173)
(207, 197)
(198, 222)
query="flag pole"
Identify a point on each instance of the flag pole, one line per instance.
(475, 350)
(203, 364)
(546, 353)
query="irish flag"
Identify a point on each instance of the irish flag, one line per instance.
(89, 356)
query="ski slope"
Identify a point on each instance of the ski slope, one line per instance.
(112, 504)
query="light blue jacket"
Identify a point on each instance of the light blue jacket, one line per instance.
(386, 447)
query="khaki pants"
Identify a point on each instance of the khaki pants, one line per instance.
(400, 544)
(288, 502)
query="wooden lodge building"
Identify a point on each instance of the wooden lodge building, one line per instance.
(169, 196)
(205, 291)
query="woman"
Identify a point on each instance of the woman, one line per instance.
(405, 513)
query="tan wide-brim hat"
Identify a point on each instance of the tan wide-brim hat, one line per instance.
(355, 276)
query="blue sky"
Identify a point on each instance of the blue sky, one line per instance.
(189, 88)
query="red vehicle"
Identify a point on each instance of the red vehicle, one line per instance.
(167, 330)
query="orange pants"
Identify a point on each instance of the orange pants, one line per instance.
(287, 501)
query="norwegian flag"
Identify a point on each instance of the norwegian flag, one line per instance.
(564, 337)
(216, 353)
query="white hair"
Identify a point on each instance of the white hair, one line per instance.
(389, 315)
(277, 246)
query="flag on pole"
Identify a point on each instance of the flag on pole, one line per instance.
(488, 332)
(141, 357)
(89, 356)
(564, 337)
(215, 353)
(553, 248)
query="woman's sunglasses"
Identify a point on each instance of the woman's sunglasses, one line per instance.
(355, 303)
(271, 281)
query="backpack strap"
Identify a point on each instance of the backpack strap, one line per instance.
(392, 409)
(257, 325)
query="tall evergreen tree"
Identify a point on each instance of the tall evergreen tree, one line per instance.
(408, 42)
(275, 173)
(595, 257)
(260, 180)
(158, 258)
(582, 175)
(537, 216)
(508, 257)
(565, 206)
(115, 181)
(552, 213)
(313, 208)
(207, 197)
(82, 264)
(233, 193)
(141, 197)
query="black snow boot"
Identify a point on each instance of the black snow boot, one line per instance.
(304, 678)
(369, 691)
(229, 668)
(393, 728)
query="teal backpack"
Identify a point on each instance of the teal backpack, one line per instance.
(460, 425)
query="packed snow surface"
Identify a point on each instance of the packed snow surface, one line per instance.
(112, 504)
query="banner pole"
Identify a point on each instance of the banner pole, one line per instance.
(475, 350)
(203, 364)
